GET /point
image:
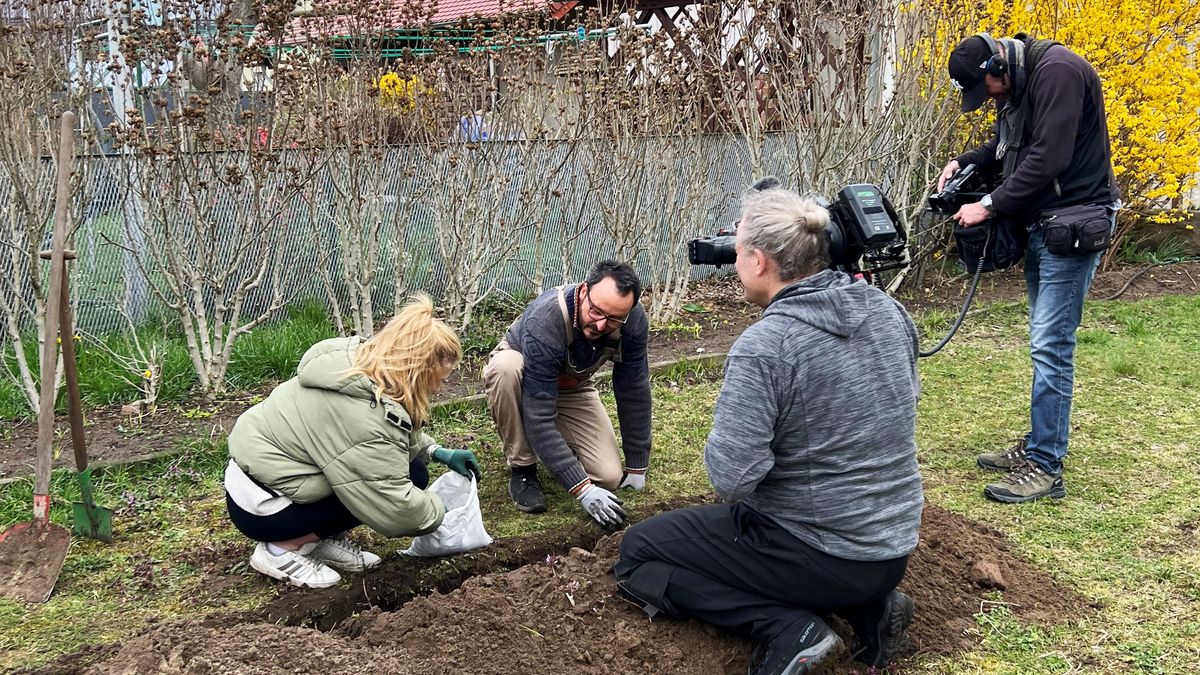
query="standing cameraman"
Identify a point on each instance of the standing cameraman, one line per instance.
(813, 452)
(1052, 151)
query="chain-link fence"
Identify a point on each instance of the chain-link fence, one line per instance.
(110, 279)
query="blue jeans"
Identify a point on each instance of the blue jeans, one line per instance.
(1056, 285)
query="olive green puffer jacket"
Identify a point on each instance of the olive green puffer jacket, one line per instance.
(323, 433)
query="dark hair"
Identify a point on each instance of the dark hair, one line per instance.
(623, 276)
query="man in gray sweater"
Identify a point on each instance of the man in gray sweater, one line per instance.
(813, 453)
(540, 394)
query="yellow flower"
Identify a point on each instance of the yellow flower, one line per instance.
(148, 374)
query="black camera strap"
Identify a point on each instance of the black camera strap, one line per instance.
(1026, 54)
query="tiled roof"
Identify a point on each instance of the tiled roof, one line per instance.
(339, 17)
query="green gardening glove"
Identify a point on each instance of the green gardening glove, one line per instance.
(459, 461)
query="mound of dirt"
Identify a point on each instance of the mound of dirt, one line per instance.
(562, 614)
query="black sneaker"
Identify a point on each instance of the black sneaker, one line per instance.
(890, 636)
(526, 490)
(798, 652)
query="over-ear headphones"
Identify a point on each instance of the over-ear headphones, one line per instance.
(996, 65)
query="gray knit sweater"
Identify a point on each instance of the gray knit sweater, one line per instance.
(540, 336)
(815, 422)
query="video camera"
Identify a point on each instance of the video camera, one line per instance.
(865, 234)
(966, 187)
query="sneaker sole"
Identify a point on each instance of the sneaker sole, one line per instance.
(346, 567)
(807, 660)
(1058, 493)
(282, 576)
(539, 508)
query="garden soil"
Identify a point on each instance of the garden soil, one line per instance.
(114, 437)
(558, 614)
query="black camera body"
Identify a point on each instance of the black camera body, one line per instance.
(865, 234)
(966, 187)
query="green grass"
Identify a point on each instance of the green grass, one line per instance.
(1126, 536)
(268, 354)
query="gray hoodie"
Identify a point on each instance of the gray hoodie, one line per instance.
(815, 424)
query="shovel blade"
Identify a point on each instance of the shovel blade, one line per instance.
(89, 520)
(31, 558)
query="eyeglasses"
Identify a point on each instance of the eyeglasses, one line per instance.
(597, 314)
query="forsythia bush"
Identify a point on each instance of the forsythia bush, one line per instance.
(398, 93)
(1146, 52)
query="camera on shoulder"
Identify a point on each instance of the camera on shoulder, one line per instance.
(865, 233)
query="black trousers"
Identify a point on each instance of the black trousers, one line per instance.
(324, 518)
(730, 566)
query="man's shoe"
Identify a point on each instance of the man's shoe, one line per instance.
(526, 490)
(1025, 483)
(801, 651)
(1003, 461)
(344, 554)
(890, 635)
(294, 567)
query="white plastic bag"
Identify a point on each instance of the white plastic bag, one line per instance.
(462, 528)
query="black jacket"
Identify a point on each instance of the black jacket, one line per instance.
(1066, 137)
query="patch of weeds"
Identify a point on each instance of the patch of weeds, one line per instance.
(271, 353)
(1123, 366)
(1136, 252)
(490, 323)
(680, 329)
(1023, 648)
(1136, 327)
(1093, 336)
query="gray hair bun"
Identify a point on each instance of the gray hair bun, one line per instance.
(766, 183)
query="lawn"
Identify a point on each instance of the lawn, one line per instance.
(1126, 536)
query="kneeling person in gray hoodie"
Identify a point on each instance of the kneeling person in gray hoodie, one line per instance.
(813, 454)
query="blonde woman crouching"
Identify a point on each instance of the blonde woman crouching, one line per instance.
(340, 445)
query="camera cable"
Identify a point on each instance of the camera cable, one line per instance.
(962, 313)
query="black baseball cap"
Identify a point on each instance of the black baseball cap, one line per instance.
(967, 63)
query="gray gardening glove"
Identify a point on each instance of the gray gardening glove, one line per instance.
(633, 478)
(602, 505)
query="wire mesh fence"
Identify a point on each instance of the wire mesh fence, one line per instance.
(111, 279)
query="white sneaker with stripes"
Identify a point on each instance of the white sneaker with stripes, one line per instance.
(294, 567)
(344, 554)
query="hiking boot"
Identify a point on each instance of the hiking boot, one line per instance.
(294, 567)
(800, 651)
(1025, 483)
(344, 554)
(1004, 461)
(526, 490)
(890, 636)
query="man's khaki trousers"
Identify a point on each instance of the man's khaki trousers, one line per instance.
(582, 419)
